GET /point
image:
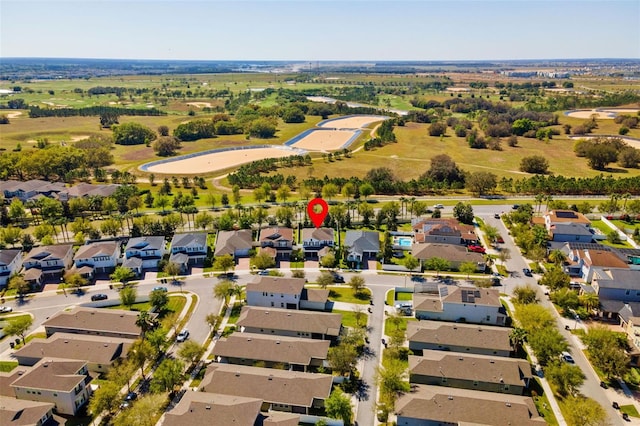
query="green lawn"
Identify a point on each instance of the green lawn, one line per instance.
(630, 410)
(235, 313)
(542, 403)
(392, 296)
(346, 295)
(402, 325)
(349, 318)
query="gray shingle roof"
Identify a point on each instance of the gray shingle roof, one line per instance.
(361, 241)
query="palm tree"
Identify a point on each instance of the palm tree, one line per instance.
(590, 301)
(145, 322)
(557, 256)
(517, 337)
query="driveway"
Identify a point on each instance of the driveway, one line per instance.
(244, 264)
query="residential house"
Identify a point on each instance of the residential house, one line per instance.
(236, 243)
(31, 189)
(92, 321)
(278, 238)
(47, 263)
(84, 189)
(469, 371)
(280, 390)
(436, 405)
(582, 262)
(286, 293)
(189, 249)
(443, 231)
(361, 246)
(63, 382)
(629, 316)
(316, 239)
(454, 337)
(96, 258)
(289, 353)
(454, 254)
(212, 409)
(10, 263)
(460, 304)
(556, 217)
(99, 352)
(574, 232)
(143, 253)
(283, 322)
(20, 412)
(616, 284)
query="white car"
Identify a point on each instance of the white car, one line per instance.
(4, 309)
(182, 336)
(438, 206)
(566, 357)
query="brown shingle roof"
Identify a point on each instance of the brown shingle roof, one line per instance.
(271, 385)
(53, 374)
(277, 285)
(473, 295)
(288, 319)
(564, 216)
(230, 241)
(102, 248)
(443, 333)
(455, 406)
(20, 412)
(94, 349)
(290, 350)
(7, 378)
(450, 252)
(320, 234)
(481, 368)
(603, 258)
(212, 409)
(45, 252)
(96, 320)
(276, 234)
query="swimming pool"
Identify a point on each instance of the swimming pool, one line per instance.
(402, 241)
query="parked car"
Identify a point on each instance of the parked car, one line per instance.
(183, 335)
(477, 249)
(496, 216)
(5, 309)
(527, 272)
(515, 206)
(263, 272)
(99, 296)
(500, 239)
(438, 206)
(159, 288)
(566, 357)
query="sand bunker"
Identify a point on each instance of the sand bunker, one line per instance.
(631, 142)
(14, 114)
(219, 160)
(600, 113)
(351, 122)
(200, 104)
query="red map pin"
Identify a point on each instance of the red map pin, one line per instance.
(318, 210)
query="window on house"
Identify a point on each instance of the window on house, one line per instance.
(444, 380)
(475, 383)
(488, 318)
(55, 394)
(506, 387)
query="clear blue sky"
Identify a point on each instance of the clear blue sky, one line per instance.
(311, 30)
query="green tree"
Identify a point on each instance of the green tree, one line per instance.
(468, 268)
(328, 260)
(284, 192)
(105, 398)
(330, 190)
(74, 281)
(203, 220)
(392, 379)
(191, 351)
(140, 353)
(121, 373)
(533, 317)
(437, 264)
(263, 261)
(214, 321)
(122, 274)
(132, 134)
(338, 406)
(19, 327)
(172, 269)
(325, 279)
(224, 263)
(366, 190)
(557, 257)
(128, 296)
(565, 377)
(158, 339)
(342, 358)
(356, 283)
(159, 300)
(548, 344)
(11, 235)
(584, 412)
(525, 294)
(535, 164)
(606, 351)
(224, 290)
(143, 413)
(481, 182)
(18, 283)
(166, 146)
(168, 374)
(463, 212)
(555, 278)
(517, 337)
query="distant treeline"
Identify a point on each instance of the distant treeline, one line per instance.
(36, 111)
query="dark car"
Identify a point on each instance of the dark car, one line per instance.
(496, 216)
(527, 272)
(337, 278)
(159, 288)
(131, 396)
(515, 206)
(99, 296)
